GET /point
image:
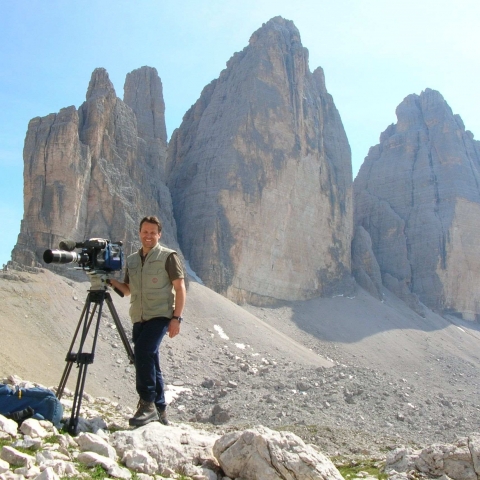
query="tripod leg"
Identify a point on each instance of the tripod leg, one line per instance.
(77, 399)
(84, 359)
(72, 357)
(66, 373)
(120, 328)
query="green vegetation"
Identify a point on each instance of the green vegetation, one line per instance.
(95, 473)
(351, 469)
(4, 443)
(50, 439)
(28, 450)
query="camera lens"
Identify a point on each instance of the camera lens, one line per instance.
(60, 256)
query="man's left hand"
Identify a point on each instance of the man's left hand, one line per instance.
(173, 328)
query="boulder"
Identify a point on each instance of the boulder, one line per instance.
(458, 461)
(263, 454)
(173, 447)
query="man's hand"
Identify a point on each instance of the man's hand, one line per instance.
(173, 328)
(122, 287)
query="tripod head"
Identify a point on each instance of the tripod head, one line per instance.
(99, 280)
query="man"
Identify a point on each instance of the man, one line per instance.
(154, 277)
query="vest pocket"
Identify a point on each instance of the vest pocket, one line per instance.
(154, 281)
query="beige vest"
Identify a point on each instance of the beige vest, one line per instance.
(152, 293)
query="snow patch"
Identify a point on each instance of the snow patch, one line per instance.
(192, 274)
(220, 332)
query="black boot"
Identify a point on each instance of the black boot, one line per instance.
(146, 413)
(162, 416)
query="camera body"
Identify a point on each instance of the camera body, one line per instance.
(96, 255)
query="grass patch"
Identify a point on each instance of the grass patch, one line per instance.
(5, 443)
(352, 469)
(51, 439)
(27, 450)
(95, 473)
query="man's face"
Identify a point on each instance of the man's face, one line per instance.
(149, 235)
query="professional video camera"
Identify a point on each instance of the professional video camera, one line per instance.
(96, 255)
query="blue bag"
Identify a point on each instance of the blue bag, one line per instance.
(45, 405)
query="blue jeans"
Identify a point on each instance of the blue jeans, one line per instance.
(147, 337)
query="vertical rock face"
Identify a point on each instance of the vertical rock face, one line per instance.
(95, 172)
(365, 267)
(143, 93)
(418, 196)
(260, 175)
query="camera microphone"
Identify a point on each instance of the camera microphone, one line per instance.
(68, 245)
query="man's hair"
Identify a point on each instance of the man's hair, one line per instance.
(151, 219)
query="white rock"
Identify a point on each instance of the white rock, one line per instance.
(394, 475)
(474, 446)
(144, 476)
(42, 457)
(31, 472)
(16, 458)
(209, 474)
(4, 466)
(49, 455)
(119, 472)
(28, 442)
(438, 460)
(94, 443)
(263, 453)
(92, 459)
(140, 461)
(172, 447)
(401, 459)
(66, 441)
(97, 423)
(48, 474)
(11, 476)
(8, 426)
(32, 427)
(101, 433)
(60, 467)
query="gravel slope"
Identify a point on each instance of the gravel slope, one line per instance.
(353, 375)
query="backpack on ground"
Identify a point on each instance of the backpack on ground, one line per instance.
(20, 403)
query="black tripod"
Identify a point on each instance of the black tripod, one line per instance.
(96, 296)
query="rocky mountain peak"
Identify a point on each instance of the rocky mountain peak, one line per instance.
(418, 196)
(276, 32)
(428, 108)
(97, 171)
(143, 93)
(319, 77)
(261, 156)
(100, 85)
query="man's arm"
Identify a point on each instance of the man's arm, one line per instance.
(180, 297)
(123, 287)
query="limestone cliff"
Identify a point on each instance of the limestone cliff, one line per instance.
(95, 171)
(260, 175)
(418, 196)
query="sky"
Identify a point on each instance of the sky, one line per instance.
(374, 53)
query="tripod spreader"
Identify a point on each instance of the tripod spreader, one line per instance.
(93, 305)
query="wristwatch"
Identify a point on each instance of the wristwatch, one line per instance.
(180, 319)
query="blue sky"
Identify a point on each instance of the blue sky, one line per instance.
(374, 53)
